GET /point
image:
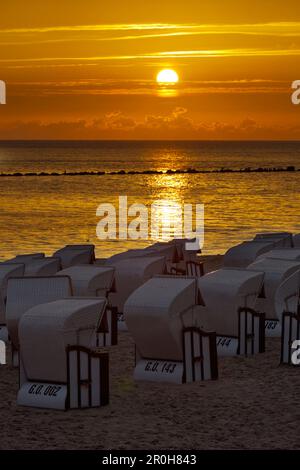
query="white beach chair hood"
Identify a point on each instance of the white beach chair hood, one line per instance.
(90, 280)
(46, 330)
(276, 271)
(7, 271)
(280, 239)
(27, 292)
(132, 273)
(224, 292)
(42, 267)
(287, 296)
(71, 255)
(292, 254)
(154, 314)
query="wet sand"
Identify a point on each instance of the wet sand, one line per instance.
(253, 405)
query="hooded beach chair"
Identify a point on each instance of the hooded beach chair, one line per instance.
(288, 313)
(42, 266)
(169, 345)
(26, 292)
(72, 255)
(243, 254)
(7, 270)
(229, 297)
(96, 281)
(58, 367)
(276, 271)
(129, 275)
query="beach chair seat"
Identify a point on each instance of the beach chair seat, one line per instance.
(72, 255)
(229, 297)
(243, 254)
(276, 271)
(24, 293)
(7, 270)
(42, 267)
(129, 275)
(58, 367)
(96, 281)
(169, 345)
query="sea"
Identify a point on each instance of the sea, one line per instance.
(50, 191)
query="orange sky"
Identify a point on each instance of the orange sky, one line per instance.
(86, 69)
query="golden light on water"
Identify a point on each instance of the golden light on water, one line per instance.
(166, 217)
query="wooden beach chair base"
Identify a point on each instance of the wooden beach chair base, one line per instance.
(251, 339)
(251, 332)
(87, 383)
(107, 334)
(199, 362)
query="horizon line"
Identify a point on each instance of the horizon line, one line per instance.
(147, 140)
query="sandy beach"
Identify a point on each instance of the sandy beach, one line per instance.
(253, 405)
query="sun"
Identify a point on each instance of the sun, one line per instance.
(167, 76)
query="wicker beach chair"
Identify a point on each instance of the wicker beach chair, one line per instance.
(58, 367)
(169, 345)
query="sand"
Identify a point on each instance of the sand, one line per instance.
(253, 405)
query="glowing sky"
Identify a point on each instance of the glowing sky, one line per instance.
(87, 69)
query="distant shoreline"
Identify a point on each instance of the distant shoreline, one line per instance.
(188, 171)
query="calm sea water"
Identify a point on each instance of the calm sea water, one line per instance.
(44, 213)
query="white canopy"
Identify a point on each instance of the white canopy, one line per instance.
(292, 254)
(47, 329)
(168, 250)
(24, 293)
(296, 240)
(90, 280)
(287, 295)
(7, 270)
(71, 255)
(138, 253)
(281, 239)
(224, 292)
(132, 273)
(240, 256)
(156, 312)
(276, 271)
(26, 259)
(42, 267)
